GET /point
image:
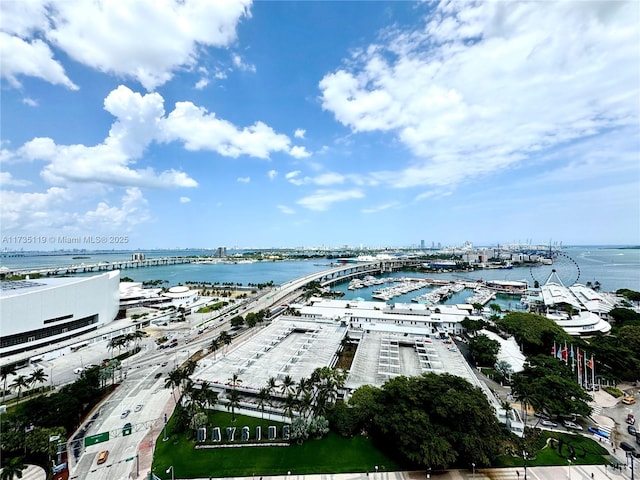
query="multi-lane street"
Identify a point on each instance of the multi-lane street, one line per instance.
(141, 391)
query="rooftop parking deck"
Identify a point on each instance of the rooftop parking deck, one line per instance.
(288, 346)
(384, 354)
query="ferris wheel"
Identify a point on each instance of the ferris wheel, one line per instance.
(561, 268)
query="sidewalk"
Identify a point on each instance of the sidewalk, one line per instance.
(577, 472)
(147, 445)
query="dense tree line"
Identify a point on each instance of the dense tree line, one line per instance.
(436, 421)
(27, 429)
(617, 354)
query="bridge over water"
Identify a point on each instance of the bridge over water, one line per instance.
(325, 277)
(101, 266)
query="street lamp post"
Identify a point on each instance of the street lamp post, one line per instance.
(630, 458)
(165, 438)
(170, 469)
(524, 459)
(473, 469)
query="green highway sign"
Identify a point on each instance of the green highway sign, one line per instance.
(93, 439)
(129, 459)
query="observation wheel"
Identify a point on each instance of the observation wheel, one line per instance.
(561, 268)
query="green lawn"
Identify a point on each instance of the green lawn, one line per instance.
(333, 454)
(587, 452)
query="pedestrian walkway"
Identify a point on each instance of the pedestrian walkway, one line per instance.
(147, 445)
(577, 472)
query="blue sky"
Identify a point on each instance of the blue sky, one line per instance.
(283, 124)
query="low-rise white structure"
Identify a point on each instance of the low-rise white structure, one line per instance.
(408, 317)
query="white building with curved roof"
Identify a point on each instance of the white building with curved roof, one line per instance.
(578, 309)
(45, 311)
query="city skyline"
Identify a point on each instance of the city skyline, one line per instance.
(283, 124)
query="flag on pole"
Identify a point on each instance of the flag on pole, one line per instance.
(553, 350)
(590, 362)
(579, 354)
(573, 359)
(565, 353)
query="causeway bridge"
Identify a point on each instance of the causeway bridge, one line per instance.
(357, 270)
(101, 266)
(328, 277)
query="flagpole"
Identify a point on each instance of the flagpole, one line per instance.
(573, 359)
(593, 372)
(586, 372)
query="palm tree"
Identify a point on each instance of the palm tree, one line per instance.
(305, 402)
(174, 380)
(37, 376)
(263, 398)
(235, 380)
(290, 404)
(189, 367)
(19, 383)
(135, 336)
(224, 338)
(288, 385)
(234, 402)
(272, 384)
(5, 371)
(209, 396)
(12, 468)
(327, 383)
(116, 342)
(215, 344)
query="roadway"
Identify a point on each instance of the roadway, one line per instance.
(142, 379)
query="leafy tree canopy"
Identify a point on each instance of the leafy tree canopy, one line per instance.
(534, 333)
(630, 295)
(624, 316)
(431, 420)
(484, 350)
(473, 326)
(548, 384)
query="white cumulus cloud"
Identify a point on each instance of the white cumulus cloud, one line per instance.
(31, 58)
(484, 86)
(201, 130)
(146, 40)
(321, 200)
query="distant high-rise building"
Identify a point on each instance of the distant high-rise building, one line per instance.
(221, 252)
(422, 244)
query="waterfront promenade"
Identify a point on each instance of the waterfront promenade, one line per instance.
(574, 472)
